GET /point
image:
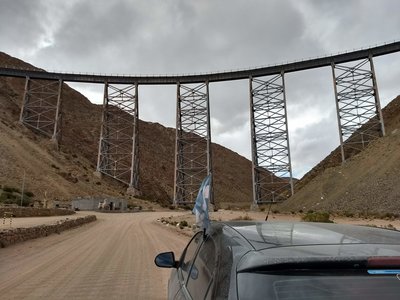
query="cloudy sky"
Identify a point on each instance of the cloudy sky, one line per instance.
(190, 36)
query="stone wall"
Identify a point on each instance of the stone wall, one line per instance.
(35, 212)
(16, 235)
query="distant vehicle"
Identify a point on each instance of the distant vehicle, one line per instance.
(280, 260)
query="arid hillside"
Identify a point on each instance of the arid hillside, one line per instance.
(367, 183)
(68, 173)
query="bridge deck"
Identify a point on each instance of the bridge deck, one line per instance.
(210, 77)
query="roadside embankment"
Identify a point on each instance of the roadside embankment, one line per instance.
(16, 235)
(19, 212)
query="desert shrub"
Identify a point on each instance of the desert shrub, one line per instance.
(10, 189)
(29, 194)
(187, 207)
(3, 196)
(26, 201)
(317, 217)
(390, 216)
(348, 214)
(184, 223)
(68, 176)
(390, 226)
(242, 218)
(370, 225)
(7, 195)
(13, 199)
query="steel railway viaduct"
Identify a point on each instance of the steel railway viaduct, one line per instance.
(357, 104)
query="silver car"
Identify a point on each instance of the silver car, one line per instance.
(281, 260)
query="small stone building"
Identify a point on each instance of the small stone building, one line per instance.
(97, 203)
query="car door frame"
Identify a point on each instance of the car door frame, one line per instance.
(177, 274)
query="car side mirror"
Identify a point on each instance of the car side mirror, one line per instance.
(165, 260)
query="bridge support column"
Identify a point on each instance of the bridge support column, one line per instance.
(193, 142)
(358, 107)
(118, 147)
(272, 172)
(41, 107)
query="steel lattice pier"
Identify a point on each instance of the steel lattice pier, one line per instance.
(358, 106)
(272, 173)
(118, 149)
(41, 108)
(193, 142)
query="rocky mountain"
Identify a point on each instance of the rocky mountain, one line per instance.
(366, 184)
(68, 173)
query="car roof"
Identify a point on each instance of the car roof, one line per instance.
(283, 243)
(263, 235)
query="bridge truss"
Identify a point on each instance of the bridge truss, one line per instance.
(193, 142)
(358, 107)
(119, 141)
(357, 102)
(272, 172)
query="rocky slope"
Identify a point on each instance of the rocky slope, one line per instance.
(367, 183)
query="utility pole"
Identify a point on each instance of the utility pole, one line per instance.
(23, 186)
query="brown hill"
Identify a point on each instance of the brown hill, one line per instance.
(367, 183)
(68, 173)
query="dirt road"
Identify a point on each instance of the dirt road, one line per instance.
(111, 258)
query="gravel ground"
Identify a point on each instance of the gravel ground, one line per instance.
(112, 258)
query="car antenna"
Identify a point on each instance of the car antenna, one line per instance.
(269, 209)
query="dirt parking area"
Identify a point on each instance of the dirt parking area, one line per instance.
(234, 215)
(111, 258)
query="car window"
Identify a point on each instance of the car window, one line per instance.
(322, 285)
(189, 255)
(201, 273)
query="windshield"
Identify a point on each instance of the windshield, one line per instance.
(318, 285)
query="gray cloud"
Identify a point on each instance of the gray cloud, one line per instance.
(21, 26)
(310, 144)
